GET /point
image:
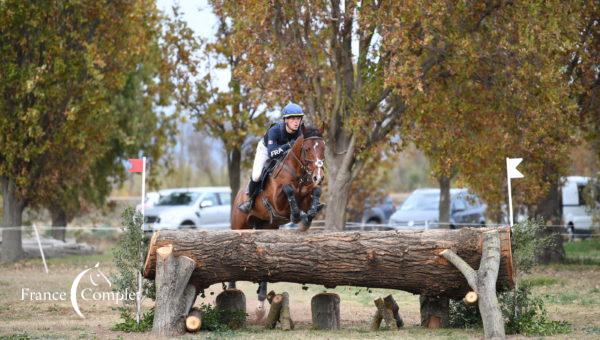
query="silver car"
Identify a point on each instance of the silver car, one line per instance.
(202, 207)
(421, 210)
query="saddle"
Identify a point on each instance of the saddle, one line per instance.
(267, 170)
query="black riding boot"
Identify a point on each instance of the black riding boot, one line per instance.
(247, 206)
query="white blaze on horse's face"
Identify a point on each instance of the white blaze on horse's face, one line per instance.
(319, 163)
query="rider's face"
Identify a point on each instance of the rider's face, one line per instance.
(293, 123)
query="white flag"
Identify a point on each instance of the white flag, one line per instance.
(511, 167)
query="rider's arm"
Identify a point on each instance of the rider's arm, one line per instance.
(275, 150)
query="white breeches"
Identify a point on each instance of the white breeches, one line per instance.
(262, 155)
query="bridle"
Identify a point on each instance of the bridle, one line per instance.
(307, 175)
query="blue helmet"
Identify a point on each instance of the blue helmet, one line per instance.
(292, 110)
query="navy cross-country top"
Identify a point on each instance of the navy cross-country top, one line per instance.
(277, 138)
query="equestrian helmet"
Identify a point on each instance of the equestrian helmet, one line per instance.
(292, 110)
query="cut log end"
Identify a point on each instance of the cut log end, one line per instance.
(165, 251)
(193, 322)
(470, 298)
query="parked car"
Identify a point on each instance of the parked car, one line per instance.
(202, 207)
(577, 217)
(153, 197)
(421, 210)
(380, 212)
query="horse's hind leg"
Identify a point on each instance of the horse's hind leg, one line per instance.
(262, 295)
(294, 210)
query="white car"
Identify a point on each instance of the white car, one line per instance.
(202, 207)
(576, 216)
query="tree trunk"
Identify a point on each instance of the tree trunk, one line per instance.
(483, 282)
(175, 295)
(325, 309)
(339, 191)
(549, 208)
(13, 206)
(234, 165)
(59, 222)
(444, 216)
(378, 259)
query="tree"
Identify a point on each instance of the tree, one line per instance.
(61, 64)
(497, 91)
(302, 51)
(232, 116)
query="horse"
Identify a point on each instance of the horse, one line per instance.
(290, 194)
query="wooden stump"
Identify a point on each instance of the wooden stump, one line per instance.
(231, 301)
(388, 310)
(193, 322)
(434, 311)
(274, 311)
(285, 318)
(391, 304)
(325, 308)
(175, 296)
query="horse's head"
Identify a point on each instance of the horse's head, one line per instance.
(310, 149)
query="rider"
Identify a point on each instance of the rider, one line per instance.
(279, 138)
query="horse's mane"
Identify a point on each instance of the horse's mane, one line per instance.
(311, 131)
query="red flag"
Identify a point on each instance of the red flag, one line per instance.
(136, 165)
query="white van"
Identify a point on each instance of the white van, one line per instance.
(577, 218)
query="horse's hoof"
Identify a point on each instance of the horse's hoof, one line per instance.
(260, 313)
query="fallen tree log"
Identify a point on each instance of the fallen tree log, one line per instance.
(404, 260)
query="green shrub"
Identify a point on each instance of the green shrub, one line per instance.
(128, 259)
(214, 319)
(129, 324)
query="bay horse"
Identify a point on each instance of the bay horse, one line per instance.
(290, 194)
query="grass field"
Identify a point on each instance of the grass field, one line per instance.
(571, 292)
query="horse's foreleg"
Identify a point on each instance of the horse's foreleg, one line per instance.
(315, 207)
(231, 285)
(294, 210)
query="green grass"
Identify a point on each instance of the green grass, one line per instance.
(583, 252)
(537, 281)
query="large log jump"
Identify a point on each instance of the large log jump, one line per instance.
(405, 260)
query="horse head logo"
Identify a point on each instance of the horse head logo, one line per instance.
(96, 276)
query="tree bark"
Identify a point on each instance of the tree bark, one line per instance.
(59, 222)
(339, 192)
(175, 296)
(483, 282)
(378, 259)
(444, 207)
(325, 308)
(13, 207)
(434, 311)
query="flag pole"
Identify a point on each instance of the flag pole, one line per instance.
(510, 203)
(139, 292)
